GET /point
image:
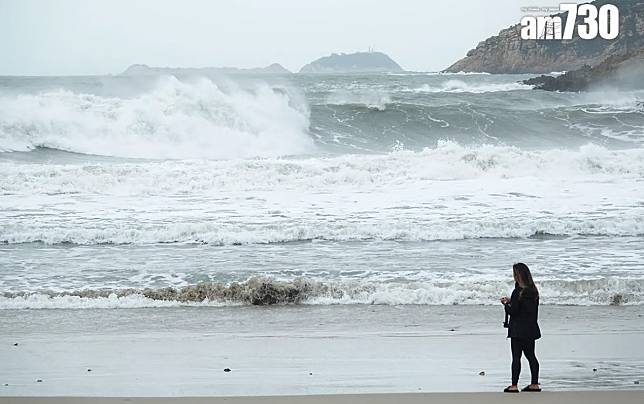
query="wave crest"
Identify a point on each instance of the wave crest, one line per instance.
(177, 120)
(306, 230)
(447, 161)
(371, 99)
(459, 86)
(267, 291)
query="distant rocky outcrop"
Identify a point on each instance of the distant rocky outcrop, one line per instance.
(359, 62)
(618, 72)
(508, 53)
(145, 70)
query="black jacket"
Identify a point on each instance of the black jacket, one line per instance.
(523, 313)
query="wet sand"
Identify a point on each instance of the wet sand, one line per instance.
(580, 397)
(309, 350)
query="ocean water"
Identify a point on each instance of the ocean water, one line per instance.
(393, 189)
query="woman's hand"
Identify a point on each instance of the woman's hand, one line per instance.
(505, 300)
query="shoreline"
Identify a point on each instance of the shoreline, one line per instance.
(579, 397)
(176, 352)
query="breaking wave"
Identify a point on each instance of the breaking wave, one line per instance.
(311, 229)
(372, 99)
(267, 291)
(447, 161)
(178, 119)
(461, 73)
(459, 86)
(248, 164)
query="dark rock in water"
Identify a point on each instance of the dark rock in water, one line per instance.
(227, 370)
(616, 72)
(635, 382)
(507, 52)
(571, 81)
(452, 329)
(39, 381)
(482, 373)
(594, 369)
(310, 374)
(15, 344)
(89, 370)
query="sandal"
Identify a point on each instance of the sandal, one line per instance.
(508, 390)
(527, 388)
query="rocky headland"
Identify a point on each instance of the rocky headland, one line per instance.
(508, 53)
(616, 72)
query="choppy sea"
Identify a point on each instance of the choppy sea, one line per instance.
(397, 189)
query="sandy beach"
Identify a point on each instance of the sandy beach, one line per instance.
(308, 350)
(586, 397)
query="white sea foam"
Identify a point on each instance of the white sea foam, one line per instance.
(176, 120)
(412, 73)
(280, 200)
(42, 301)
(462, 73)
(419, 73)
(447, 161)
(599, 291)
(459, 86)
(610, 102)
(372, 99)
(304, 229)
(630, 134)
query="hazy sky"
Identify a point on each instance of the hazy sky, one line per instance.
(51, 37)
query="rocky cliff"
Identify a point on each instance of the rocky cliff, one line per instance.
(143, 70)
(359, 62)
(616, 72)
(508, 53)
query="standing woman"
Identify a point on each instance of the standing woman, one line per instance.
(523, 330)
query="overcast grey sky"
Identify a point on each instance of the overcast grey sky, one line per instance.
(61, 37)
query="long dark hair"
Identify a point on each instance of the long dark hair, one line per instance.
(524, 279)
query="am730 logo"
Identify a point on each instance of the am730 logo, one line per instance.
(603, 22)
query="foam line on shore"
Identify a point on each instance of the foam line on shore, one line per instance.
(267, 291)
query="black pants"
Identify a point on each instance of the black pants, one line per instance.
(525, 346)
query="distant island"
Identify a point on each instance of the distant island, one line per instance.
(508, 53)
(145, 70)
(359, 62)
